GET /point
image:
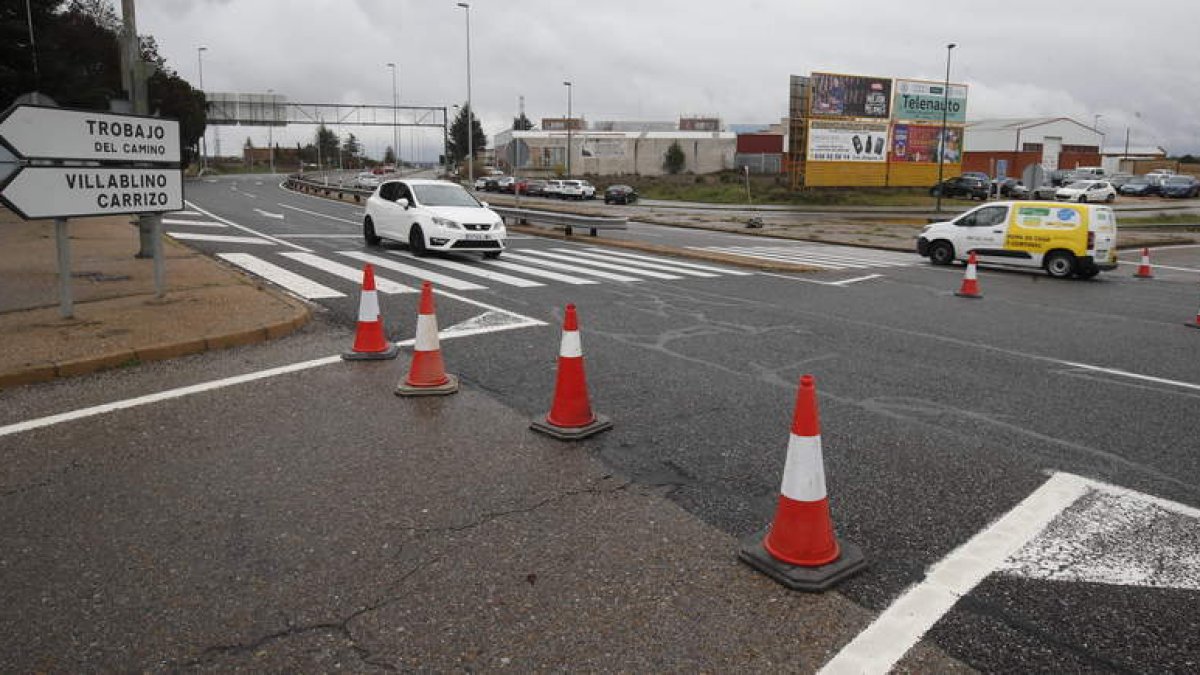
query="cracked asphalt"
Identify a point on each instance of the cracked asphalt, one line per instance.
(357, 531)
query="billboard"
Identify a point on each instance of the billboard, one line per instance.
(830, 141)
(850, 96)
(921, 101)
(913, 143)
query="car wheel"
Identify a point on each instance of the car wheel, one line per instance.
(369, 235)
(491, 255)
(1110, 199)
(941, 252)
(1060, 265)
(416, 241)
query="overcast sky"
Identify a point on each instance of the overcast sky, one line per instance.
(659, 59)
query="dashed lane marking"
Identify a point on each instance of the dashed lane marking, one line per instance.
(193, 223)
(223, 238)
(300, 285)
(247, 229)
(320, 215)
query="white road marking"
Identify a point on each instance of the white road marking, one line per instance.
(569, 268)
(533, 271)
(196, 223)
(268, 214)
(476, 271)
(1135, 376)
(319, 236)
(228, 239)
(302, 286)
(472, 327)
(675, 263)
(247, 229)
(1156, 266)
(773, 257)
(347, 272)
(847, 282)
(604, 265)
(391, 264)
(320, 215)
(638, 263)
(822, 256)
(184, 213)
(247, 194)
(878, 648)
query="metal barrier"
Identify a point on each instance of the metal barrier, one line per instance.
(567, 221)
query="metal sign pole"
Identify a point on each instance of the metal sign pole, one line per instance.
(66, 307)
(160, 273)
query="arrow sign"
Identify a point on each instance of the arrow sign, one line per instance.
(35, 132)
(66, 192)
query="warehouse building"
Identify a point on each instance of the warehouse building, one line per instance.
(1009, 146)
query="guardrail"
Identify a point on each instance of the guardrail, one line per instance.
(323, 188)
(567, 221)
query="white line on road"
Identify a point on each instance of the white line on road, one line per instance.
(535, 272)
(347, 272)
(268, 214)
(247, 229)
(197, 223)
(878, 648)
(569, 268)
(603, 265)
(1135, 376)
(183, 213)
(225, 238)
(656, 265)
(847, 282)
(424, 274)
(302, 286)
(319, 236)
(247, 194)
(675, 263)
(319, 215)
(473, 270)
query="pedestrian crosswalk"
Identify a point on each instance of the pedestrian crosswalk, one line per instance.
(826, 256)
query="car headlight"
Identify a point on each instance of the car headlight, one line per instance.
(448, 224)
(498, 226)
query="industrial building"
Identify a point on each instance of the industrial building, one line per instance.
(1009, 146)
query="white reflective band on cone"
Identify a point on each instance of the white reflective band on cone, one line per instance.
(571, 345)
(427, 334)
(804, 472)
(970, 272)
(368, 307)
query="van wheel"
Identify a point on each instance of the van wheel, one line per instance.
(1082, 199)
(369, 235)
(941, 253)
(1060, 265)
(1110, 198)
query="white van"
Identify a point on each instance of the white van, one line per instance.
(1089, 173)
(1064, 239)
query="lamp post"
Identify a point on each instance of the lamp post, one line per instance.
(271, 129)
(945, 111)
(470, 111)
(569, 125)
(203, 137)
(395, 128)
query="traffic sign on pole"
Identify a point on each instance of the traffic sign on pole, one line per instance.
(64, 191)
(38, 132)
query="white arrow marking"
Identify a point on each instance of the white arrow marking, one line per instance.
(268, 214)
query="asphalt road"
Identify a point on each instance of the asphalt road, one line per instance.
(939, 414)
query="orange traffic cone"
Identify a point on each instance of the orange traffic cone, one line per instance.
(571, 417)
(799, 549)
(1143, 270)
(1196, 323)
(427, 376)
(970, 285)
(369, 340)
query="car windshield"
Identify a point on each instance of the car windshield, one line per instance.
(444, 195)
(1139, 181)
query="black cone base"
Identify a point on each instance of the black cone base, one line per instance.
(797, 578)
(601, 423)
(389, 353)
(451, 386)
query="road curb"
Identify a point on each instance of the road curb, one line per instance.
(160, 352)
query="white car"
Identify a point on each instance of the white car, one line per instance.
(481, 182)
(589, 190)
(432, 215)
(1086, 191)
(366, 179)
(553, 188)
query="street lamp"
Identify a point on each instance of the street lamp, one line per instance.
(470, 110)
(569, 125)
(271, 129)
(395, 128)
(203, 137)
(945, 111)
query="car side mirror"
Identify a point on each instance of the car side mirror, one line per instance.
(483, 204)
(403, 202)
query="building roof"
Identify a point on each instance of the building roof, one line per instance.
(1018, 123)
(1134, 150)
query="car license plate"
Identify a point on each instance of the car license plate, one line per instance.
(477, 237)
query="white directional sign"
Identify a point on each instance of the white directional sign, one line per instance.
(35, 132)
(64, 192)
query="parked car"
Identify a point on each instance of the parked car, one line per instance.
(1063, 239)
(1089, 173)
(1086, 191)
(977, 174)
(481, 183)
(506, 184)
(432, 215)
(1142, 186)
(1180, 186)
(1010, 188)
(1161, 172)
(366, 179)
(620, 194)
(961, 186)
(571, 189)
(1057, 178)
(1046, 191)
(492, 183)
(535, 188)
(553, 188)
(1119, 179)
(589, 190)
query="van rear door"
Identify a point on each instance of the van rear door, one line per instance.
(1103, 237)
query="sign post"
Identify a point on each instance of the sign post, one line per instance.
(75, 163)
